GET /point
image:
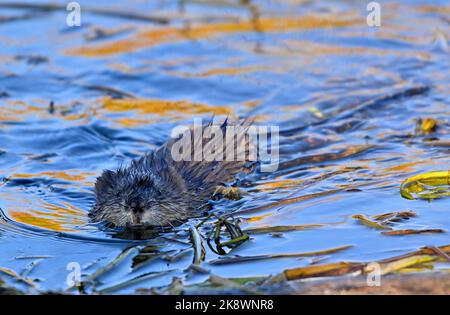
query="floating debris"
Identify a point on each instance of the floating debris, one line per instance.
(197, 269)
(237, 237)
(232, 193)
(411, 231)
(288, 201)
(390, 217)
(112, 92)
(428, 186)
(232, 284)
(127, 283)
(18, 277)
(5, 290)
(47, 7)
(426, 126)
(197, 244)
(91, 278)
(443, 144)
(282, 228)
(325, 270)
(97, 33)
(402, 263)
(365, 221)
(237, 259)
(439, 252)
(146, 255)
(325, 157)
(32, 59)
(27, 270)
(33, 257)
(177, 255)
(390, 265)
(4, 94)
(176, 287)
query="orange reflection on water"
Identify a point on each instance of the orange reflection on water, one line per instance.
(169, 35)
(230, 71)
(280, 184)
(30, 209)
(257, 218)
(12, 110)
(63, 217)
(161, 107)
(34, 218)
(82, 178)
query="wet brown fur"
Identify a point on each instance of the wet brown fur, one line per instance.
(156, 190)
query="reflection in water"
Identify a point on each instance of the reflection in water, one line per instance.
(170, 35)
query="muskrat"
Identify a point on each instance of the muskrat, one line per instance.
(158, 191)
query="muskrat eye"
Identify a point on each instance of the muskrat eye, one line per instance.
(158, 192)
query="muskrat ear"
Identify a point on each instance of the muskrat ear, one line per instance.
(104, 183)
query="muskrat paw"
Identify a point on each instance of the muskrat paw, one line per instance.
(232, 193)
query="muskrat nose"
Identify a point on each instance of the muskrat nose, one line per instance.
(138, 210)
(136, 207)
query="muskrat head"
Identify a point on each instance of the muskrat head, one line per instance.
(130, 199)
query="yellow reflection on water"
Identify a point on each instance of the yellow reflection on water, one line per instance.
(36, 212)
(170, 35)
(155, 106)
(280, 184)
(65, 175)
(13, 110)
(25, 207)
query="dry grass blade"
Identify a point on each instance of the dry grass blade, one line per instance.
(29, 268)
(440, 252)
(421, 186)
(177, 256)
(443, 144)
(145, 276)
(197, 269)
(18, 277)
(33, 257)
(414, 261)
(325, 157)
(415, 269)
(394, 216)
(326, 270)
(237, 259)
(224, 282)
(197, 244)
(411, 231)
(237, 237)
(282, 228)
(111, 265)
(423, 251)
(365, 221)
(235, 241)
(288, 201)
(101, 11)
(405, 263)
(146, 255)
(176, 287)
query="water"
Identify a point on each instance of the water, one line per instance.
(311, 68)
